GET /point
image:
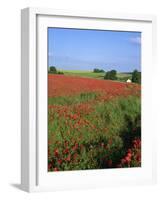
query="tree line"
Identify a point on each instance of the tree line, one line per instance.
(53, 70)
(112, 75)
(109, 75)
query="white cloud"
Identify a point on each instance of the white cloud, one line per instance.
(136, 40)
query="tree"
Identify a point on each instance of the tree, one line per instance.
(53, 70)
(136, 76)
(111, 75)
(101, 70)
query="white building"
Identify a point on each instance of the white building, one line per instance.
(128, 81)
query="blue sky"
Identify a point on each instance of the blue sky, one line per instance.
(76, 49)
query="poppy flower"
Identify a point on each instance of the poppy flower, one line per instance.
(66, 151)
(68, 158)
(127, 159)
(60, 161)
(56, 169)
(49, 166)
(56, 152)
(129, 155)
(123, 161)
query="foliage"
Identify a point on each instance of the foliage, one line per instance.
(123, 77)
(111, 75)
(59, 72)
(53, 70)
(136, 76)
(96, 70)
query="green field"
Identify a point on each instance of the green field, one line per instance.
(82, 73)
(124, 76)
(90, 74)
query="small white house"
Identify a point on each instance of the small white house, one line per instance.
(128, 81)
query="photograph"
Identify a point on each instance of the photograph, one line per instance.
(94, 99)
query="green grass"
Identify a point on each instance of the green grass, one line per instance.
(89, 74)
(69, 100)
(124, 76)
(118, 114)
(115, 114)
(110, 123)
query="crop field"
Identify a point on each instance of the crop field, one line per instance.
(92, 123)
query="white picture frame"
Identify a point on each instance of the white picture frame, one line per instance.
(34, 176)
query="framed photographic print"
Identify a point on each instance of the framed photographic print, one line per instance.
(87, 114)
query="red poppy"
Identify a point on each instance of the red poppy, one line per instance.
(123, 161)
(56, 169)
(60, 161)
(66, 151)
(127, 159)
(68, 158)
(75, 147)
(49, 166)
(56, 152)
(129, 155)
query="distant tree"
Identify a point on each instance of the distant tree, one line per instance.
(136, 76)
(59, 72)
(53, 70)
(96, 70)
(101, 70)
(111, 75)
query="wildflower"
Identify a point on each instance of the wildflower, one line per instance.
(49, 166)
(75, 147)
(68, 158)
(56, 169)
(56, 153)
(66, 151)
(129, 155)
(60, 161)
(129, 151)
(123, 161)
(127, 159)
(75, 156)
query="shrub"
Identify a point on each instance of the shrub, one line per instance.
(53, 70)
(111, 75)
(136, 76)
(60, 72)
(96, 70)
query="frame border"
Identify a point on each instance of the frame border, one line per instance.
(29, 175)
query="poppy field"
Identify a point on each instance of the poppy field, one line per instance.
(93, 124)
